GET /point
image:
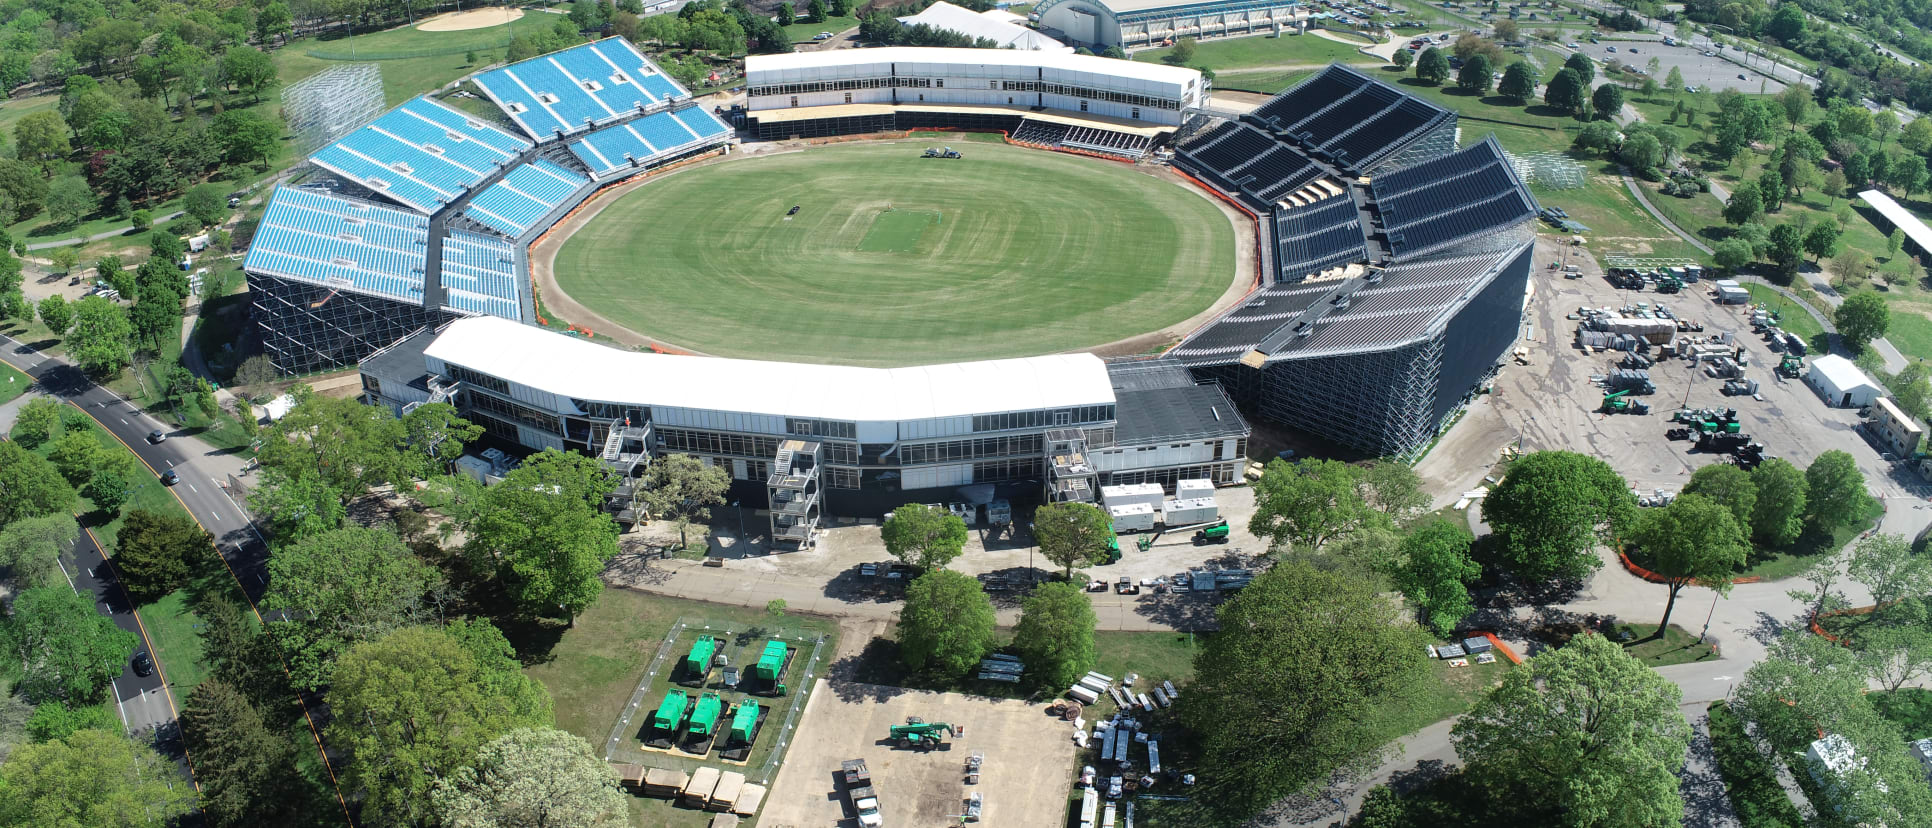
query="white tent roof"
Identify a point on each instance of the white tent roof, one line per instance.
(1004, 16)
(1064, 61)
(1899, 217)
(1840, 373)
(572, 367)
(944, 15)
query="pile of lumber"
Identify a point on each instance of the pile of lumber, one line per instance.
(697, 793)
(629, 777)
(749, 799)
(731, 785)
(663, 783)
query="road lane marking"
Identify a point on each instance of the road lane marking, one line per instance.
(191, 487)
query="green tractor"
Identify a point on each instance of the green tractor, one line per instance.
(919, 733)
(1791, 366)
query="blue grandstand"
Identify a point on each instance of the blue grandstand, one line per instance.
(524, 197)
(645, 140)
(420, 154)
(579, 88)
(329, 240)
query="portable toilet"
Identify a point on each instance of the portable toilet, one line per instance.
(704, 717)
(744, 721)
(772, 661)
(698, 662)
(670, 712)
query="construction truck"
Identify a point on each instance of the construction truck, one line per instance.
(858, 788)
(1669, 285)
(919, 733)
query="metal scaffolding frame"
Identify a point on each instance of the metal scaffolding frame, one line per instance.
(332, 103)
(307, 328)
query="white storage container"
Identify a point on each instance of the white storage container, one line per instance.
(1129, 494)
(1093, 685)
(1187, 512)
(1193, 489)
(1082, 694)
(1133, 517)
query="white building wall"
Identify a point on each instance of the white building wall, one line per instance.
(974, 84)
(1132, 457)
(926, 477)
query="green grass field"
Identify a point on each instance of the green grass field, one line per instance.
(1247, 52)
(894, 259)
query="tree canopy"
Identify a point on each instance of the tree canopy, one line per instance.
(946, 626)
(1548, 509)
(1432, 66)
(1518, 82)
(1055, 635)
(1309, 503)
(543, 531)
(682, 489)
(1586, 730)
(65, 649)
(1862, 317)
(531, 777)
(245, 769)
(155, 552)
(1435, 572)
(1728, 486)
(1565, 91)
(332, 591)
(1834, 491)
(91, 778)
(926, 537)
(1072, 533)
(30, 486)
(1693, 540)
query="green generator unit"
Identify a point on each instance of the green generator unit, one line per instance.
(744, 721)
(704, 716)
(670, 712)
(772, 661)
(698, 662)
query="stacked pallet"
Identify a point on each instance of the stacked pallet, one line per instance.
(663, 783)
(749, 799)
(731, 785)
(697, 794)
(724, 821)
(629, 777)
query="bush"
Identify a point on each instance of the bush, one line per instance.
(1749, 778)
(184, 226)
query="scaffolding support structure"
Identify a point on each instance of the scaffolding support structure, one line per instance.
(1070, 477)
(332, 103)
(793, 488)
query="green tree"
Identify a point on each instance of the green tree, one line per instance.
(1403, 59)
(1583, 66)
(1674, 81)
(1393, 488)
(946, 626)
(294, 508)
(1518, 83)
(1862, 317)
(36, 422)
(1565, 92)
(54, 721)
(1586, 728)
(1786, 244)
(1771, 190)
(1887, 566)
(1598, 136)
(1608, 101)
(75, 455)
(65, 649)
(1778, 514)
(434, 436)
(1822, 241)
(239, 653)
(1745, 205)
(1895, 655)
(248, 70)
(1304, 658)
(1893, 243)
(1183, 52)
(41, 137)
(530, 777)
(56, 314)
(1435, 572)
(412, 707)
(1072, 533)
(333, 591)
(1733, 254)
(1474, 76)
(68, 199)
(1642, 152)
(29, 486)
(681, 489)
(244, 768)
(1917, 136)
(1795, 104)
(1731, 487)
(924, 536)
(341, 443)
(63, 259)
(1432, 66)
(31, 547)
(1548, 509)
(102, 339)
(817, 10)
(1834, 491)
(1693, 540)
(206, 203)
(1308, 503)
(155, 553)
(544, 532)
(1055, 635)
(92, 778)
(785, 14)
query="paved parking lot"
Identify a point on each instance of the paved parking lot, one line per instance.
(1553, 404)
(1709, 73)
(1025, 780)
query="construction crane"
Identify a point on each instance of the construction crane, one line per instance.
(918, 733)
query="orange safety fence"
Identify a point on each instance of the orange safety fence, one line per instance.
(1820, 631)
(1501, 647)
(1659, 579)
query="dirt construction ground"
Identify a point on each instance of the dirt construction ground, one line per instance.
(1024, 781)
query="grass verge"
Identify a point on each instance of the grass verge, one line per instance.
(1750, 780)
(15, 385)
(1675, 646)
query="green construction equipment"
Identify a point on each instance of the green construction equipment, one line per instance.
(922, 734)
(698, 662)
(1614, 403)
(670, 712)
(771, 662)
(1217, 533)
(704, 716)
(744, 721)
(1113, 548)
(1791, 366)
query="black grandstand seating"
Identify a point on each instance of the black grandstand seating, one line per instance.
(1041, 133)
(1317, 237)
(1328, 124)
(1439, 202)
(1315, 93)
(1096, 139)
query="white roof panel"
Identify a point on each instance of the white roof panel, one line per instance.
(1899, 217)
(572, 367)
(944, 15)
(1153, 72)
(1841, 373)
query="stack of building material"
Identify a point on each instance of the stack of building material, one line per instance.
(697, 793)
(664, 783)
(749, 799)
(724, 821)
(629, 777)
(731, 784)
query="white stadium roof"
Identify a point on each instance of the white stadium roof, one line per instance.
(944, 15)
(1899, 217)
(1065, 61)
(572, 367)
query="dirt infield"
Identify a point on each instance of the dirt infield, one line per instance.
(466, 20)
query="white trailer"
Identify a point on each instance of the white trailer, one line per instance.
(1089, 808)
(1132, 493)
(1193, 489)
(1132, 517)
(1184, 512)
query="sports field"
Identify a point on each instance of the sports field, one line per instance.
(893, 259)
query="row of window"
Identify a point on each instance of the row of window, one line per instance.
(951, 450)
(478, 378)
(535, 418)
(821, 428)
(848, 84)
(994, 471)
(838, 478)
(614, 411)
(1089, 93)
(1043, 418)
(712, 442)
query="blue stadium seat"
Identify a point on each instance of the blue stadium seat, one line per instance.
(646, 139)
(524, 197)
(425, 153)
(575, 89)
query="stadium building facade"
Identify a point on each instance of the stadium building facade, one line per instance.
(1397, 265)
(1055, 99)
(811, 440)
(1131, 24)
(426, 213)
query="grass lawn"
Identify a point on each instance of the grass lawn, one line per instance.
(1911, 332)
(1253, 52)
(12, 110)
(16, 383)
(1676, 647)
(1750, 780)
(37, 228)
(172, 628)
(1791, 317)
(1265, 81)
(1093, 252)
(803, 32)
